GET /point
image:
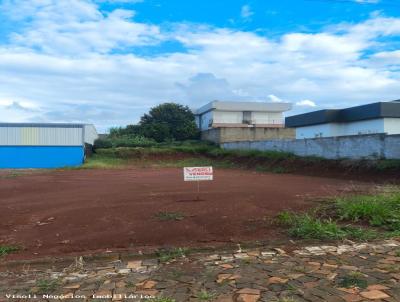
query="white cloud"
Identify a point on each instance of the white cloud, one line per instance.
(306, 103)
(120, 1)
(367, 1)
(274, 99)
(75, 63)
(76, 26)
(246, 12)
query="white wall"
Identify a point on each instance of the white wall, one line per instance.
(392, 125)
(204, 120)
(322, 130)
(227, 117)
(90, 134)
(371, 146)
(343, 129)
(236, 117)
(267, 117)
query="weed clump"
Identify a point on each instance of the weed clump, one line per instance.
(8, 249)
(306, 226)
(381, 210)
(169, 255)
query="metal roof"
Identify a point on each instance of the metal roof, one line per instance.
(358, 113)
(244, 106)
(44, 125)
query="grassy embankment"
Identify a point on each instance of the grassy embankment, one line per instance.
(200, 153)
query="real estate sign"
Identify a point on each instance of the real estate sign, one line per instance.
(197, 173)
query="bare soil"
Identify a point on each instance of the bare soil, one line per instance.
(81, 211)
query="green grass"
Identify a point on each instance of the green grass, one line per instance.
(286, 299)
(201, 154)
(305, 226)
(170, 216)
(204, 295)
(388, 164)
(8, 249)
(169, 255)
(162, 299)
(11, 175)
(381, 210)
(100, 161)
(379, 214)
(265, 161)
(353, 279)
(47, 285)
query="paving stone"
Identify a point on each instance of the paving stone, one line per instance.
(226, 266)
(72, 286)
(124, 271)
(374, 295)
(247, 295)
(377, 287)
(253, 253)
(308, 276)
(150, 262)
(277, 287)
(241, 255)
(268, 253)
(274, 280)
(135, 265)
(329, 266)
(352, 298)
(224, 298)
(312, 284)
(223, 277)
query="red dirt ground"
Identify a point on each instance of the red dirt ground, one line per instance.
(81, 211)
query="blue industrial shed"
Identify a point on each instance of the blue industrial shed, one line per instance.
(50, 145)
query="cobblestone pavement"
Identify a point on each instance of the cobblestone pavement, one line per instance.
(350, 272)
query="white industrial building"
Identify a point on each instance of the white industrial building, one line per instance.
(381, 117)
(241, 114)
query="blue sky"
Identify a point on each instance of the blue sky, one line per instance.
(108, 61)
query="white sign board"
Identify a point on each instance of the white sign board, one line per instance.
(197, 173)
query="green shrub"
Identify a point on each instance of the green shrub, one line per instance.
(102, 143)
(123, 141)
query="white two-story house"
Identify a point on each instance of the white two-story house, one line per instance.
(222, 121)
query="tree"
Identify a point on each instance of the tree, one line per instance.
(169, 121)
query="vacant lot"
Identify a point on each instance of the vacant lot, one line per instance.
(77, 211)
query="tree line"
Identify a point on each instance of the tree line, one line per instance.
(163, 123)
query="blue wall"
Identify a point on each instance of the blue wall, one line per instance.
(40, 156)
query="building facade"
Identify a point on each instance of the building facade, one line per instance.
(29, 145)
(241, 114)
(375, 118)
(221, 121)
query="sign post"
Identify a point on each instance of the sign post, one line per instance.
(197, 174)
